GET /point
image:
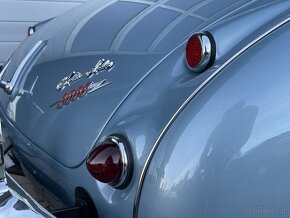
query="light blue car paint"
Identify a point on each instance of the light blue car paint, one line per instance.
(226, 155)
(150, 81)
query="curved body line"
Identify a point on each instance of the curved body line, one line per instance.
(80, 25)
(37, 47)
(185, 14)
(177, 21)
(126, 29)
(199, 88)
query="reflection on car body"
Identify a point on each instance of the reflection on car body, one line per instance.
(190, 118)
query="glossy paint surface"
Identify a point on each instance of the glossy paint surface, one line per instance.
(81, 122)
(227, 154)
(90, 35)
(148, 86)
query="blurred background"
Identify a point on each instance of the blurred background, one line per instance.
(17, 15)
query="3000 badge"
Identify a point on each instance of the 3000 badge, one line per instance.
(80, 92)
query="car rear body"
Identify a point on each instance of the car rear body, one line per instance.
(146, 89)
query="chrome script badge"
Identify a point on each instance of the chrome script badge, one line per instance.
(102, 65)
(80, 92)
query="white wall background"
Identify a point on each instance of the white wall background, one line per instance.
(17, 15)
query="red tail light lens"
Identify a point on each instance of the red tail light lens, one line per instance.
(200, 51)
(193, 52)
(108, 162)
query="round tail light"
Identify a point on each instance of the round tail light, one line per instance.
(200, 51)
(108, 162)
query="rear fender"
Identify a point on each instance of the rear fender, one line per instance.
(227, 152)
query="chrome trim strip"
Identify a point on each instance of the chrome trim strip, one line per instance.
(125, 172)
(10, 85)
(196, 91)
(5, 68)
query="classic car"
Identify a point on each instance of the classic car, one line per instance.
(150, 108)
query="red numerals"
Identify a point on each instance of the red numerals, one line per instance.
(73, 95)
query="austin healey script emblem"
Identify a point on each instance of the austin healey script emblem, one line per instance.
(102, 65)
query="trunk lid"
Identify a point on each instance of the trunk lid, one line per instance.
(123, 32)
(68, 132)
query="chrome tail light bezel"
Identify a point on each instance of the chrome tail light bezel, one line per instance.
(208, 51)
(126, 159)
